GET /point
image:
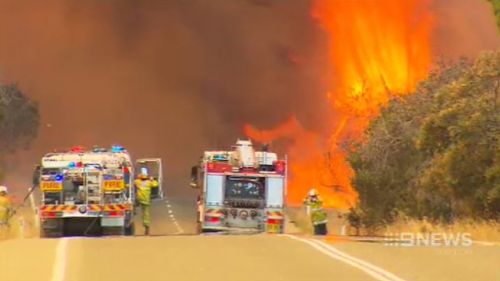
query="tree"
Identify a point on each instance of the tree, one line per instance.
(496, 10)
(434, 153)
(19, 119)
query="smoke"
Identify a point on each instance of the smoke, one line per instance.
(464, 28)
(164, 78)
(173, 78)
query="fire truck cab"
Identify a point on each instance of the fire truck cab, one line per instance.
(86, 192)
(240, 190)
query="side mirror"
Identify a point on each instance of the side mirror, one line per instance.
(194, 177)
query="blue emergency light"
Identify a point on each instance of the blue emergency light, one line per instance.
(220, 157)
(117, 148)
(59, 178)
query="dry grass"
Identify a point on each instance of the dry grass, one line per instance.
(480, 231)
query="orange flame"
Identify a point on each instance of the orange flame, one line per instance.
(378, 49)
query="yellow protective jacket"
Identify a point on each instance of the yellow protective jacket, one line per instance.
(143, 189)
(317, 213)
(5, 209)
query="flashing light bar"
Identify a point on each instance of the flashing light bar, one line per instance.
(99, 149)
(117, 148)
(112, 177)
(219, 167)
(75, 165)
(220, 157)
(77, 149)
(280, 167)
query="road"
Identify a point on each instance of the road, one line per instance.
(173, 252)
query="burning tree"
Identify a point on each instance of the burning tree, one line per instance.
(435, 153)
(378, 49)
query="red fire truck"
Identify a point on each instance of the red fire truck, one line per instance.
(240, 190)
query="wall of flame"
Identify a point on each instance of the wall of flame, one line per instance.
(378, 49)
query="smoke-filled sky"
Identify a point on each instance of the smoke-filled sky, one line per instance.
(172, 78)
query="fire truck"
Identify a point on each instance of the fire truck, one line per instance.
(241, 190)
(86, 192)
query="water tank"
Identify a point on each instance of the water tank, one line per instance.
(245, 154)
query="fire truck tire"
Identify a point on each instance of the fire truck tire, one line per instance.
(113, 231)
(49, 233)
(130, 230)
(52, 229)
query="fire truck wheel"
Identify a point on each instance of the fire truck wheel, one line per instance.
(130, 230)
(113, 231)
(52, 229)
(49, 233)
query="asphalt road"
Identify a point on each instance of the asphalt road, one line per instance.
(173, 252)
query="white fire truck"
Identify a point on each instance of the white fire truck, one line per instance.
(86, 192)
(240, 190)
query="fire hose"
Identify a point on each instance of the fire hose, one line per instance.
(14, 211)
(30, 191)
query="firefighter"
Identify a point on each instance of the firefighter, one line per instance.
(143, 186)
(5, 209)
(316, 212)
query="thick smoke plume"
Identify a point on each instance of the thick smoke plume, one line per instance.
(164, 78)
(172, 78)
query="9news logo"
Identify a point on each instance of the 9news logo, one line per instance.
(432, 239)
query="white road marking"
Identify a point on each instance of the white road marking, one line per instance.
(329, 247)
(59, 268)
(370, 269)
(172, 217)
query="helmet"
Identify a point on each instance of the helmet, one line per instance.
(3, 189)
(313, 192)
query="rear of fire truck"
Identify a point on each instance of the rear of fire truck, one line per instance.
(86, 192)
(240, 190)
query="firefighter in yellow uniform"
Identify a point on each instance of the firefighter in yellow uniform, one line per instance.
(143, 186)
(316, 212)
(5, 210)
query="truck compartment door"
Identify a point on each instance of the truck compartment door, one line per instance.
(153, 168)
(275, 192)
(214, 190)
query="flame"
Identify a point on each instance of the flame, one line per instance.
(378, 49)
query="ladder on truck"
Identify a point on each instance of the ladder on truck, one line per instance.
(92, 181)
